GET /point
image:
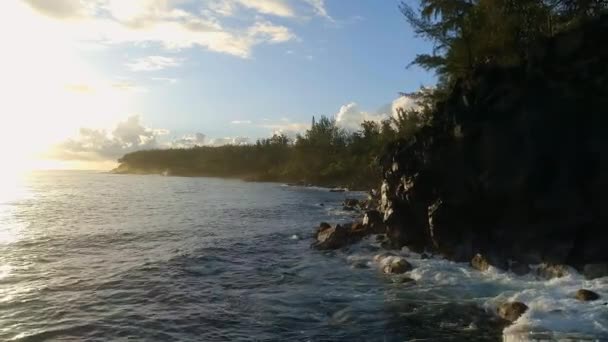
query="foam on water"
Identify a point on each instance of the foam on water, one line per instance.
(554, 313)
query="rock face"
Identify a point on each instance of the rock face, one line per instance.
(513, 163)
(511, 311)
(586, 295)
(373, 219)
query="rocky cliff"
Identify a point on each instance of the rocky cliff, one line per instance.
(515, 163)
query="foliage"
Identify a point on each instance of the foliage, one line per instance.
(324, 155)
(467, 33)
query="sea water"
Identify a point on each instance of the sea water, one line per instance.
(101, 257)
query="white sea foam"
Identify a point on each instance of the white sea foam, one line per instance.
(554, 313)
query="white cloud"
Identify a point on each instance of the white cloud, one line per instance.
(229, 141)
(98, 144)
(153, 63)
(240, 122)
(270, 33)
(350, 116)
(319, 8)
(286, 127)
(165, 79)
(163, 22)
(189, 140)
(274, 7)
(62, 9)
(403, 102)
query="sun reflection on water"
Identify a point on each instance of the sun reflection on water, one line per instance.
(13, 190)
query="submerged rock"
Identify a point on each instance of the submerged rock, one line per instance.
(586, 295)
(511, 311)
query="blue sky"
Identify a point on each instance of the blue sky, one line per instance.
(219, 68)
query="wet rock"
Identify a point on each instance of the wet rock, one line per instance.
(592, 271)
(547, 271)
(511, 311)
(322, 226)
(519, 268)
(332, 238)
(396, 265)
(382, 256)
(351, 202)
(374, 220)
(480, 263)
(358, 230)
(586, 295)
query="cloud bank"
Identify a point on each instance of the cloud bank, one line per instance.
(178, 24)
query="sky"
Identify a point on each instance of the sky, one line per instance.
(86, 81)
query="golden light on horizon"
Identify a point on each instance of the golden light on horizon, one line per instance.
(50, 90)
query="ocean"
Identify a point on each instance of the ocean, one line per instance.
(92, 256)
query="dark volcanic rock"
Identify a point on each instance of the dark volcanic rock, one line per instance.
(332, 238)
(586, 295)
(373, 219)
(513, 163)
(511, 311)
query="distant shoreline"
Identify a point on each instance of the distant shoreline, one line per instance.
(246, 178)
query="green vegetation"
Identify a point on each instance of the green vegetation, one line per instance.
(468, 35)
(324, 155)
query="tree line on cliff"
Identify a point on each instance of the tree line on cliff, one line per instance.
(325, 154)
(466, 34)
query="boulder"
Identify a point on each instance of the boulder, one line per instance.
(511, 311)
(332, 238)
(548, 271)
(586, 295)
(480, 263)
(592, 271)
(396, 265)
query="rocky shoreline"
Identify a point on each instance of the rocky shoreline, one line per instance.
(512, 173)
(371, 225)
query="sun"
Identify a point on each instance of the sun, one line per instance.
(50, 89)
